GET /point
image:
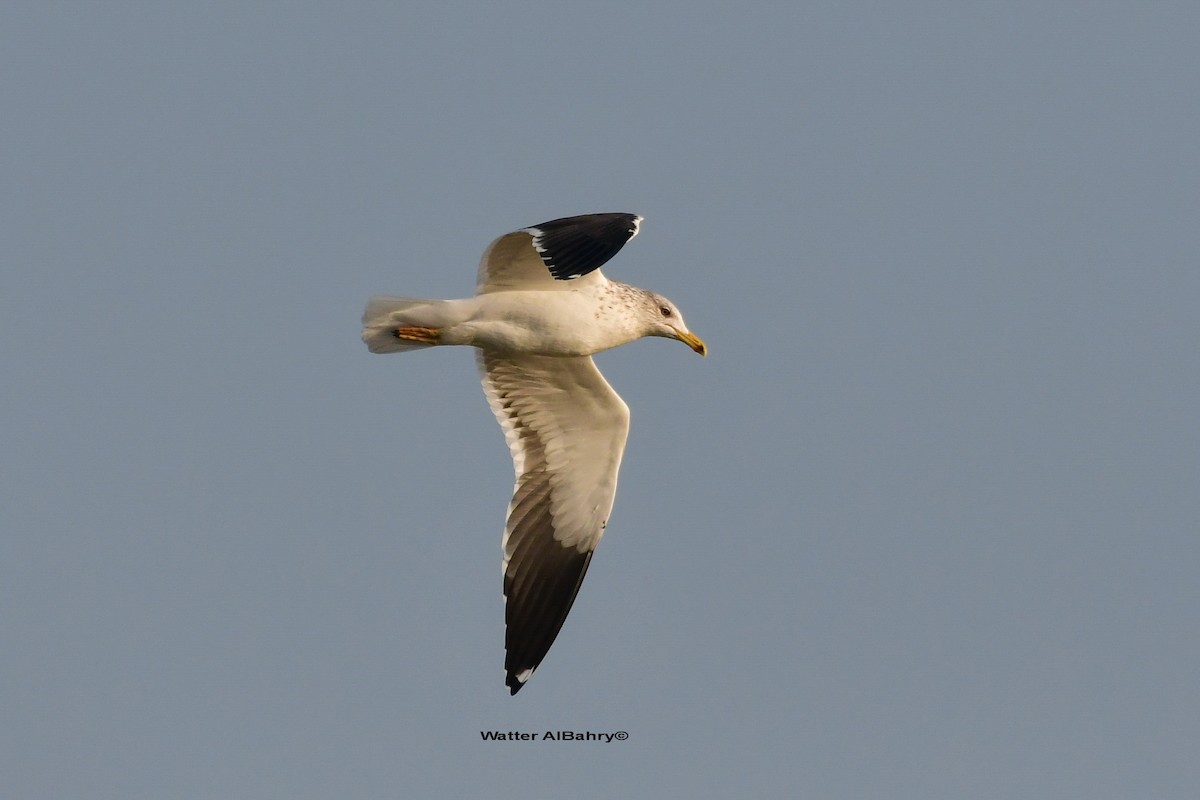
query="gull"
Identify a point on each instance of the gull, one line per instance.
(541, 309)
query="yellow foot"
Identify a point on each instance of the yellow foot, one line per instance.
(414, 333)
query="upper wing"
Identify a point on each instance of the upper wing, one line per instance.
(566, 428)
(542, 256)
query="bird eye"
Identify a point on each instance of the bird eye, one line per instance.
(666, 310)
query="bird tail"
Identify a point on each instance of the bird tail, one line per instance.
(384, 314)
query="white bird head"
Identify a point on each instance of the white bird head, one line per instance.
(665, 320)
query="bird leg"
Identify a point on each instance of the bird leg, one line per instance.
(415, 333)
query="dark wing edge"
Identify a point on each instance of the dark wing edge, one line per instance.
(540, 587)
(574, 246)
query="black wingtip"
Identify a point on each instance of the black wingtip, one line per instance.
(536, 606)
(574, 246)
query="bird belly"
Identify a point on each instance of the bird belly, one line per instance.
(559, 323)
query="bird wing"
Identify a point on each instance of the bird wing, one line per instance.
(566, 429)
(548, 255)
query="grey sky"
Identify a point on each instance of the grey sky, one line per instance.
(923, 525)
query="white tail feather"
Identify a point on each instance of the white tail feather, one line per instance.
(384, 314)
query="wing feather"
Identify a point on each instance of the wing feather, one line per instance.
(566, 430)
(554, 254)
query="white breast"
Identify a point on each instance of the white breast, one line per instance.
(571, 323)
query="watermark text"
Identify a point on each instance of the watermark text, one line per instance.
(552, 736)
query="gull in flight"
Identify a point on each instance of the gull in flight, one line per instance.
(541, 309)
